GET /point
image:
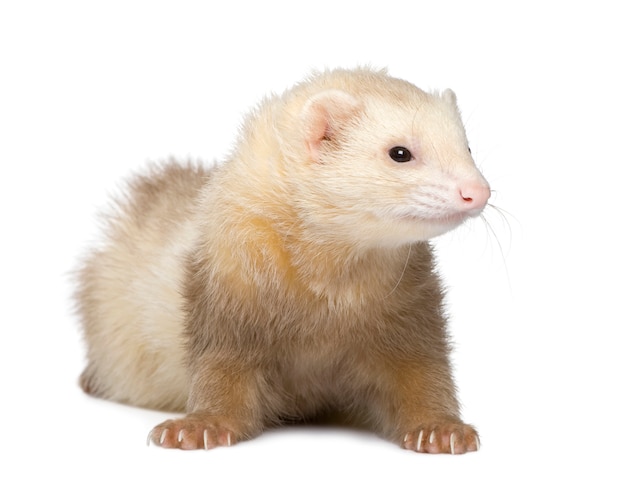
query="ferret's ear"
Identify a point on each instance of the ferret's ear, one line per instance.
(449, 96)
(324, 115)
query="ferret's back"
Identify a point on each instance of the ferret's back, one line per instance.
(131, 283)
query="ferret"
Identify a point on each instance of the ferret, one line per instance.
(295, 279)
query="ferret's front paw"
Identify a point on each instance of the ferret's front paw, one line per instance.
(449, 438)
(193, 432)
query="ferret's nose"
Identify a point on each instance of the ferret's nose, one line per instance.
(474, 196)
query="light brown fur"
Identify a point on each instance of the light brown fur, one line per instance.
(294, 279)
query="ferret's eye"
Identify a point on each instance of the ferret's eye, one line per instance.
(400, 154)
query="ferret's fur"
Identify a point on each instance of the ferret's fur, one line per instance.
(295, 279)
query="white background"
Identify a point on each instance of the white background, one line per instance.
(89, 91)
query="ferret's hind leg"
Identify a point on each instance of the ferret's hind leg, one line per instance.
(88, 383)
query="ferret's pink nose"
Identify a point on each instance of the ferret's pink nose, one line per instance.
(474, 196)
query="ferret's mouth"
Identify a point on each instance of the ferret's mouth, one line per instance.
(450, 219)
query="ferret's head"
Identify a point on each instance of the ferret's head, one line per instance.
(380, 161)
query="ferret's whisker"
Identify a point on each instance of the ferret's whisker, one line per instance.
(406, 263)
(491, 231)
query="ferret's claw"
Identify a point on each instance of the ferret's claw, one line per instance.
(205, 438)
(419, 441)
(149, 439)
(228, 440)
(163, 435)
(431, 439)
(452, 439)
(477, 442)
(181, 435)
